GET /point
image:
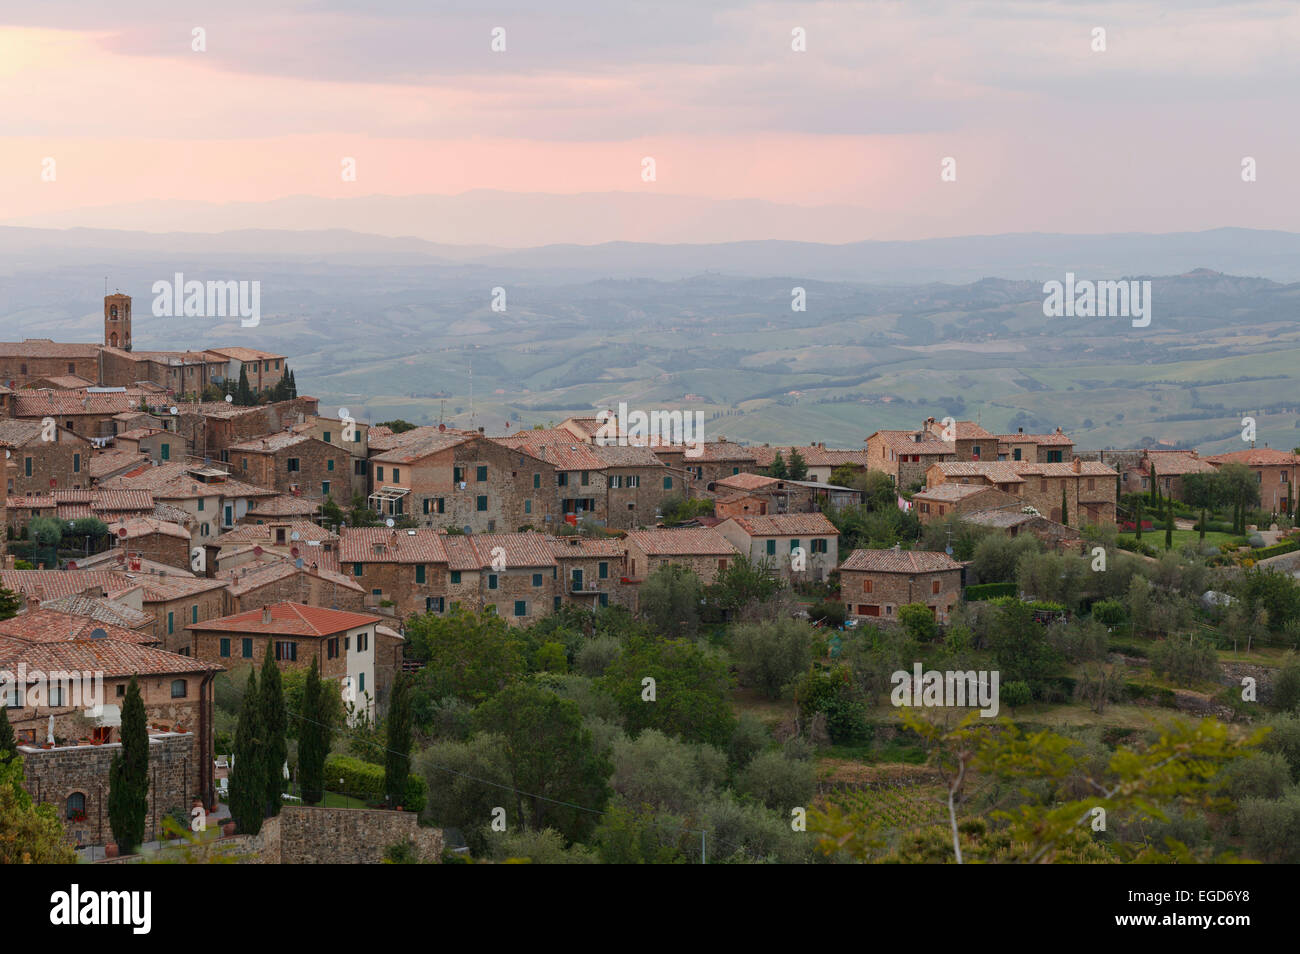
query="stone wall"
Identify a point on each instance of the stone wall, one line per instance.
(54, 774)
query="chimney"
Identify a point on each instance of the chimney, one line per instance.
(266, 614)
(1076, 465)
(1021, 430)
(33, 603)
(480, 430)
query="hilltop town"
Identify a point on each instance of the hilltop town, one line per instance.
(175, 518)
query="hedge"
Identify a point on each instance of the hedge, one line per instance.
(1277, 549)
(986, 591)
(365, 780)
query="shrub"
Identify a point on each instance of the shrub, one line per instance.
(829, 611)
(1185, 662)
(1109, 612)
(771, 655)
(365, 780)
(1016, 694)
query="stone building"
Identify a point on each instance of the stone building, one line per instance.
(702, 550)
(34, 465)
(798, 546)
(875, 583)
(296, 464)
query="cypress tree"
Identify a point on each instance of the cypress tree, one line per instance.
(10, 603)
(244, 395)
(397, 758)
(247, 782)
(1137, 507)
(275, 749)
(313, 738)
(1169, 526)
(1151, 495)
(778, 467)
(128, 777)
(8, 744)
(1065, 510)
(797, 468)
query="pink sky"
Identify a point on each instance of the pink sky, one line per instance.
(1048, 135)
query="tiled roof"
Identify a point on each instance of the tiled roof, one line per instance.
(52, 584)
(138, 433)
(252, 576)
(271, 443)
(17, 433)
(748, 482)
(283, 505)
(1000, 518)
(114, 658)
(999, 472)
(813, 455)
(73, 403)
(246, 354)
(712, 451)
(1177, 463)
(905, 442)
(899, 561)
(415, 445)
(114, 462)
(518, 549)
(146, 527)
(950, 492)
(1056, 438)
(289, 619)
(685, 541)
(787, 525)
(612, 455)
(555, 446)
(265, 533)
(382, 545)
(100, 609)
(67, 382)
(172, 481)
(47, 626)
(1254, 457)
(74, 503)
(1087, 468)
(577, 546)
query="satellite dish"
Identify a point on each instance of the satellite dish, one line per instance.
(294, 552)
(121, 532)
(175, 410)
(257, 551)
(295, 535)
(389, 522)
(72, 564)
(230, 398)
(462, 485)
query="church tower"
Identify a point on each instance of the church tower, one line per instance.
(117, 321)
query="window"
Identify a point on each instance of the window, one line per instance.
(1015, 454)
(556, 604)
(867, 586)
(819, 546)
(615, 481)
(329, 464)
(480, 473)
(521, 607)
(492, 581)
(286, 651)
(194, 613)
(602, 570)
(76, 807)
(171, 623)
(561, 478)
(397, 475)
(225, 647)
(528, 506)
(76, 462)
(537, 481)
(356, 569)
(794, 544)
(361, 682)
(603, 599)
(179, 689)
(332, 648)
(379, 472)
(771, 548)
(722, 565)
(458, 474)
(326, 437)
(455, 576)
(13, 696)
(292, 464)
(246, 648)
(668, 483)
(537, 579)
(433, 604)
(1092, 483)
(419, 573)
(480, 504)
(735, 470)
(934, 586)
(363, 642)
(27, 466)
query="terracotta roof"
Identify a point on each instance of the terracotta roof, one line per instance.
(265, 533)
(556, 446)
(114, 658)
(17, 433)
(461, 552)
(786, 525)
(711, 451)
(684, 541)
(813, 455)
(72, 403)
(1177, 463)
(271, 443)
(113, 462)
(73, 503)
(100, 609)
(576, 546)
(48, 626)
(283, 505)
(246, 354)
(1254, 457)
(1000, 472)
(146, 527)
(1087, 468)
(382, 545)
(138, 433)
(612, 455)
(52, 584)
(252, 576)
(172, 481)
(951, 492)
(905, 442)
(1057, 438)
(899, 561)
(418, 442)
(289, 619)
(748, 482)
(518, 549)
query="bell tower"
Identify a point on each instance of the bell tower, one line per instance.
(117, 321)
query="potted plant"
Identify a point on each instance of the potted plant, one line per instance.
(110, 850)
(228, 829)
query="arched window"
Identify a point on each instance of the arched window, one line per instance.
(77, 806)
(112, 311)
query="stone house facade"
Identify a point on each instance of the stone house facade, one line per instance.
(875, 583)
